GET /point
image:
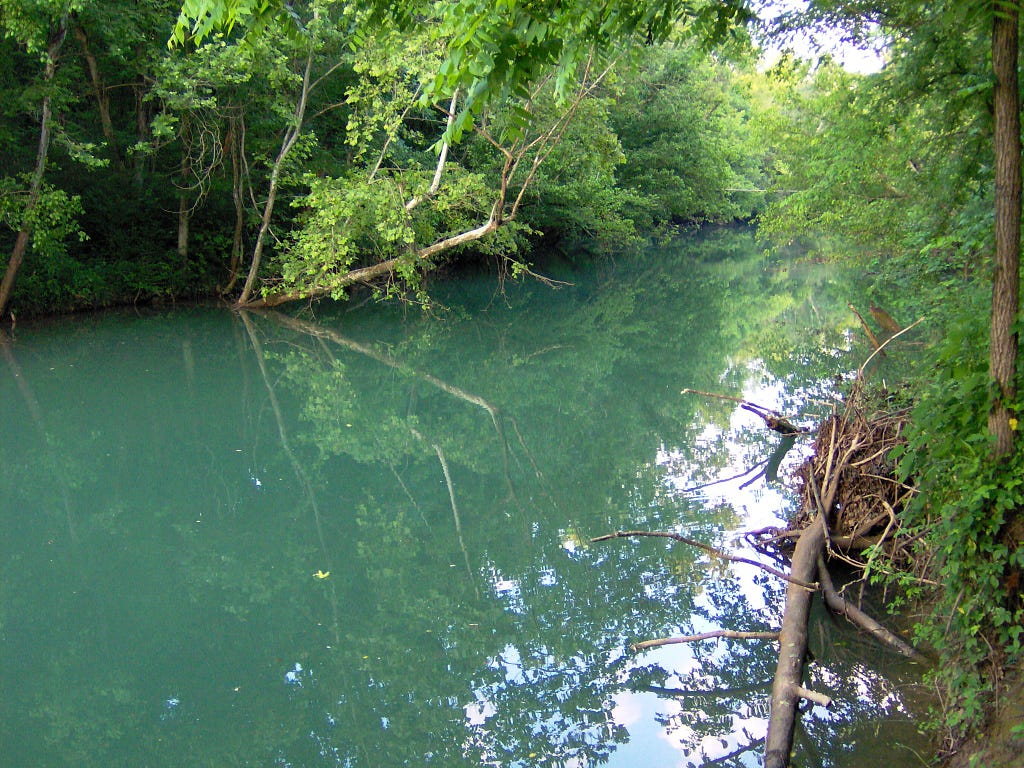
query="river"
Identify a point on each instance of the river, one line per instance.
(359, 535)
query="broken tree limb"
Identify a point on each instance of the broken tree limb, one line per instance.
(814, 697)
(838, 604)
(867, 331)
(787, 688)
(729, 634)
(802, 584)
(779, 424)
(772, 419)
(745, 403)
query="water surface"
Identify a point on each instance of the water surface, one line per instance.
(361, 536)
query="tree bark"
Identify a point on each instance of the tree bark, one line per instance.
(36, 184)
(236, 144)
(787, 689)
(184, 207)
(1003, 341)
(291, 136)
(100, 90)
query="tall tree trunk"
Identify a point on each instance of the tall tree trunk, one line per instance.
(236, 146)
(1006, 280)
(184, 207)
(100, 90)
(36, 185)
(290, 137)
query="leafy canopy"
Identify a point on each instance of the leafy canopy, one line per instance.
(494, 50)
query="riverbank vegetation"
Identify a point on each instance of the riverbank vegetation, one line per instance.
(321, 153)
(282, 152)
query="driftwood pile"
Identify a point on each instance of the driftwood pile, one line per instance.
(849, 504)
(852, 453)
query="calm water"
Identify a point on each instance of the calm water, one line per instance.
(360, 536)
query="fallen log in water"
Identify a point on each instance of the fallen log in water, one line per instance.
(787, 690)
(849, 488)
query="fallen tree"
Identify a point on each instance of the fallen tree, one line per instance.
(849, 499)
(322, 259)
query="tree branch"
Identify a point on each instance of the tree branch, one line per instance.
(729, 634)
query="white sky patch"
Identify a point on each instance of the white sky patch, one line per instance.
(852, 58)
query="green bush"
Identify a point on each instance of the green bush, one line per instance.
(965, 502)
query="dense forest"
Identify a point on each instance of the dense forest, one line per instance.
(292, 165)
(262, 153)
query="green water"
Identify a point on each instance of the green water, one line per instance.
(174, 484)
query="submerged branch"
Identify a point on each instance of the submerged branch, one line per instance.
(806, 584)
(729, 634)
(855, 615)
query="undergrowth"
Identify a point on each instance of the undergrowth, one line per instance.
(965, 522)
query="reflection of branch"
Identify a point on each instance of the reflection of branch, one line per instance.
(809, 585)
(716, 693)
(750, 406)
(299, 470)
(729, 479)
(318, 331)
(729, 634)
(735, 753)
(37, 418)
(455, 508)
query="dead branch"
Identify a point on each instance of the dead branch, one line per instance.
(867, 331)
(804, 584)
(787, 690)
(779, 424)
(881, 347)
(838, 604)
(729, 634)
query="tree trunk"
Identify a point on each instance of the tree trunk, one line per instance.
(1003, 341)
(100, 90)
(235, 142)
(787, 689)
(36, 184)
(291, 136)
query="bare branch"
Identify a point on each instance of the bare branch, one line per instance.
(729, 634)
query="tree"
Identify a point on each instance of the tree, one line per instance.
(913, 28)
(941, 176)
(496, 62)
(1003, 338)
(41, 29)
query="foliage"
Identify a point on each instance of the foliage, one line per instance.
(576, 200)
(495, 51)
(161, 144)
(965, 505)
(901, 162)
(683, 122)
